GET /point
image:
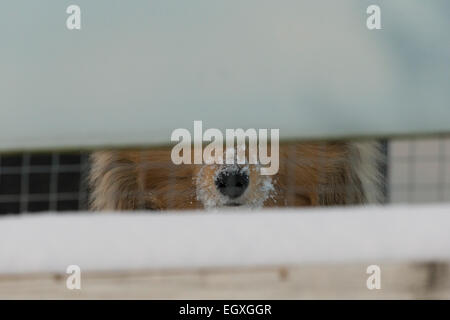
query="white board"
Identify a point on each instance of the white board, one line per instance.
(139, 69)
(136, 241)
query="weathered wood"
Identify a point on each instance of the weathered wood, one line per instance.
(399, 281)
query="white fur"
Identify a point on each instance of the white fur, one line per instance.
(366, 158)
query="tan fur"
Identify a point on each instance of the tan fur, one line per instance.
(310, 174)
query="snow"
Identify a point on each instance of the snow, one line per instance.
(211, 198)
(119, 241)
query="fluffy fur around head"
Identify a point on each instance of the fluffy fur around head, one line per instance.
(310, 174)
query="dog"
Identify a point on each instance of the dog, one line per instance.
(310, 174)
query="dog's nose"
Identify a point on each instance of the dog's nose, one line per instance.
(232, 183)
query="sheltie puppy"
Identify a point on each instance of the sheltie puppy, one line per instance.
(310, 174)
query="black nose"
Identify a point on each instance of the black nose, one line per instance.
(232, 183)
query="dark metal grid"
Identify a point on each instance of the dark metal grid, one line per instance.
(43, 182)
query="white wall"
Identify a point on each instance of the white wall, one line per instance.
(139, 69)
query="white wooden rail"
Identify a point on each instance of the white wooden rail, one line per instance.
(224, 239)
(274, 253)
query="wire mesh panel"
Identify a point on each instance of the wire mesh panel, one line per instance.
(417, 171)
(42, 182)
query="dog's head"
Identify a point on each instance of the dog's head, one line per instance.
(309, 174)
